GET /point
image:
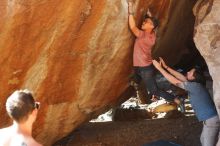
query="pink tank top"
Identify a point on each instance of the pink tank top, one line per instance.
(142, 49)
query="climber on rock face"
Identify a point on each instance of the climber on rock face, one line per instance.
(142, 59)
(23, 110)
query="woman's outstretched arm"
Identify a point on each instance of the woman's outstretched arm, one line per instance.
(168, 76)
(178, 75)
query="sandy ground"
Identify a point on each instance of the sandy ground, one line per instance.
(184, 131)
(133, 126)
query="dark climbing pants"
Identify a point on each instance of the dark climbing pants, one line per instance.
(147, 74)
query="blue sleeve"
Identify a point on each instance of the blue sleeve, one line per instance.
(183, 85)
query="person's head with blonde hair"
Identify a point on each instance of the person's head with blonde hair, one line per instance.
(22, 109)
(20, 105)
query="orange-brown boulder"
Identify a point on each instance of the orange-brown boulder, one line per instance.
(76, 56)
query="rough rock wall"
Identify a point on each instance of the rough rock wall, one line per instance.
(74, 55)
(207, 39)
(176, 33)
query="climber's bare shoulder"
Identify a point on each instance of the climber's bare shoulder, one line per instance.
(9, 138)
(4, 136)
(26, 141)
